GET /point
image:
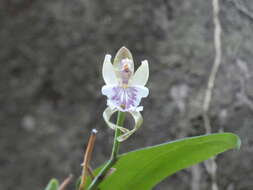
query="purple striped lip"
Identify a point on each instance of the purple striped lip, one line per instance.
(125, 99)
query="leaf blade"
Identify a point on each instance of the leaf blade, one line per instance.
(144, 168)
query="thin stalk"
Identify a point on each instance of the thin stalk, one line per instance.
(87, 158)
(114, 155)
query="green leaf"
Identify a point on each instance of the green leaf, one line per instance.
(52, 185)
(143, 169)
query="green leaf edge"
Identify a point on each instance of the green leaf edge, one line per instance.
(237, 146)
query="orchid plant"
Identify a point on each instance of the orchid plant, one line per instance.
(124, 89)
(144, 168)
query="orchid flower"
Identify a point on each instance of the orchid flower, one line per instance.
(124, 89)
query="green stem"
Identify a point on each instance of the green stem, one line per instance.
(115, 150)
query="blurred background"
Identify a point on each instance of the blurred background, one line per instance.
(51, 54)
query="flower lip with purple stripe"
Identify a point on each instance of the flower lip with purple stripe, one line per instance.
(125, 99)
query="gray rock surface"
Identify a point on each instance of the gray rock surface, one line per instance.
(51, 55)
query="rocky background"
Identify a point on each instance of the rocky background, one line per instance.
(51, 54)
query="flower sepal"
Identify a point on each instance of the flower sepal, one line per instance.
(138, 120)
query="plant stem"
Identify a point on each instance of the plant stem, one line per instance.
(115, 150)
(116, 143)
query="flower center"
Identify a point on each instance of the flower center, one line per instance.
(126, 71)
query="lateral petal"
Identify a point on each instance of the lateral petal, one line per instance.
(108, 72)
(141, 75)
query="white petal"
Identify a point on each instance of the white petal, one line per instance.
(141, 75)
(108, 71)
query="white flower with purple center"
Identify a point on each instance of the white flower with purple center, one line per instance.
(124, 88)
